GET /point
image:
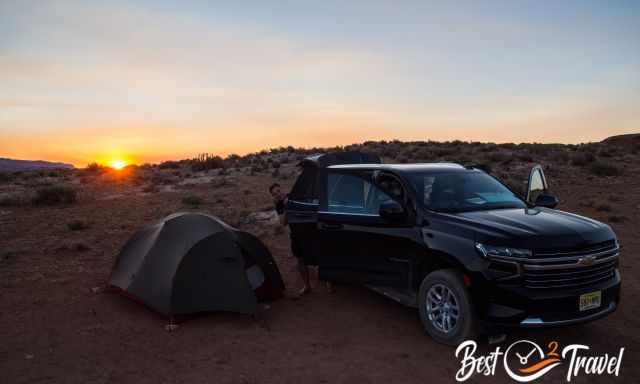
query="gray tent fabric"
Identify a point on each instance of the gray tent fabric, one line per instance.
(193, 262)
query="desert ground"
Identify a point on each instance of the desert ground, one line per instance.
(60, 232)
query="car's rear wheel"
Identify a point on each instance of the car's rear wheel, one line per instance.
(446, 309)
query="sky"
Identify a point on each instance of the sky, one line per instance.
(146, 81)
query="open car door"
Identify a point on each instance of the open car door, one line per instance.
(538, 189)
(355, 244)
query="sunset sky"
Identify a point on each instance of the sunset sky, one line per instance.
(147, 81)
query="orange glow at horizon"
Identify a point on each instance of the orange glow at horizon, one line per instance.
(145, 84)
(117, 164)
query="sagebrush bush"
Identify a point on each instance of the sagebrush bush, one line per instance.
(6, 177)
(162, 178)
(500, 157)
(56, 194)
(192, 200)
(601, 168)
(561, 157)
(169, 165)
(206, 161)
(603, 207)
(12, 200)
(77, 225)
(582, 158)
(95, 168)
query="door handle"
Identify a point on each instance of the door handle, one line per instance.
(330, 226)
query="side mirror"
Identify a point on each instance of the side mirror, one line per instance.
(537, 184)
(547, 201)
(391, 210)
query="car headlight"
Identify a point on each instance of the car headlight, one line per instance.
(492, 250)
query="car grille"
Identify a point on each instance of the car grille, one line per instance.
(571, 268)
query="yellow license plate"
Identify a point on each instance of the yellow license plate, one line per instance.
(590, 300)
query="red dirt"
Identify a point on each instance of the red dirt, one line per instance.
(53, 328)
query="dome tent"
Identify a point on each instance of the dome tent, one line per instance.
(194, 262)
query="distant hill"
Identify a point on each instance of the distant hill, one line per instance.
(11, 165)
(628, 140)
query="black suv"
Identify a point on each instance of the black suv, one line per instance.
(454, 242)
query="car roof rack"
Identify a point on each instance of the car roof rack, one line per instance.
(483, 167)
(323, 160)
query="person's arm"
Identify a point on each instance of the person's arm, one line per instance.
(283, 218)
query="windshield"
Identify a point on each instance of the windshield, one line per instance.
(463, 191)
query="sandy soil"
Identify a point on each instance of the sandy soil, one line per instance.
(53, 328)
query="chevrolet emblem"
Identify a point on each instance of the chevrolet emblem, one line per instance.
(587, 260)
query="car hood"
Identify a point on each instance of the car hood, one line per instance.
(535, 228)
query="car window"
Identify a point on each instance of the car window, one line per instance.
(353, 194)
(304, 188)
(464, 191)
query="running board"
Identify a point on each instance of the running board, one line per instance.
(402, 296)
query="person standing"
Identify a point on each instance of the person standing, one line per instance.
(280, 201)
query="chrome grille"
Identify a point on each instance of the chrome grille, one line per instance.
(570, 268)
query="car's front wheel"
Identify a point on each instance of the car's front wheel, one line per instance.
(446, 309)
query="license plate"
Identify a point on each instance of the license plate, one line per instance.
(590, 300)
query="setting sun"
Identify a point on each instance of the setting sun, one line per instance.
(118, 164)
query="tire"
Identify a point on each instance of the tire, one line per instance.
(454, 331)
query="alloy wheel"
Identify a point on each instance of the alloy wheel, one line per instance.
(442, 308)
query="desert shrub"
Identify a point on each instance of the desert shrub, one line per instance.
(205, 162)
(607, 151)
(588, 203)
(77, 225)
(488, 147)
(615, 198)
(55, 173)
(95, 168)
(561, 157)
(402, 159)
(192, 200)
(422, 154)
(601, 168)
(256, 168)
(6, 177)
(150, 188)
(80, 246)
(56, 194)
(500, 157)
(219, 182)
(523, 156)
(162, 178)
(462, 159)
(444, 152)
(582, 158)
(510, 146)
(169, 165)
(12, 200)
(617, 219)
